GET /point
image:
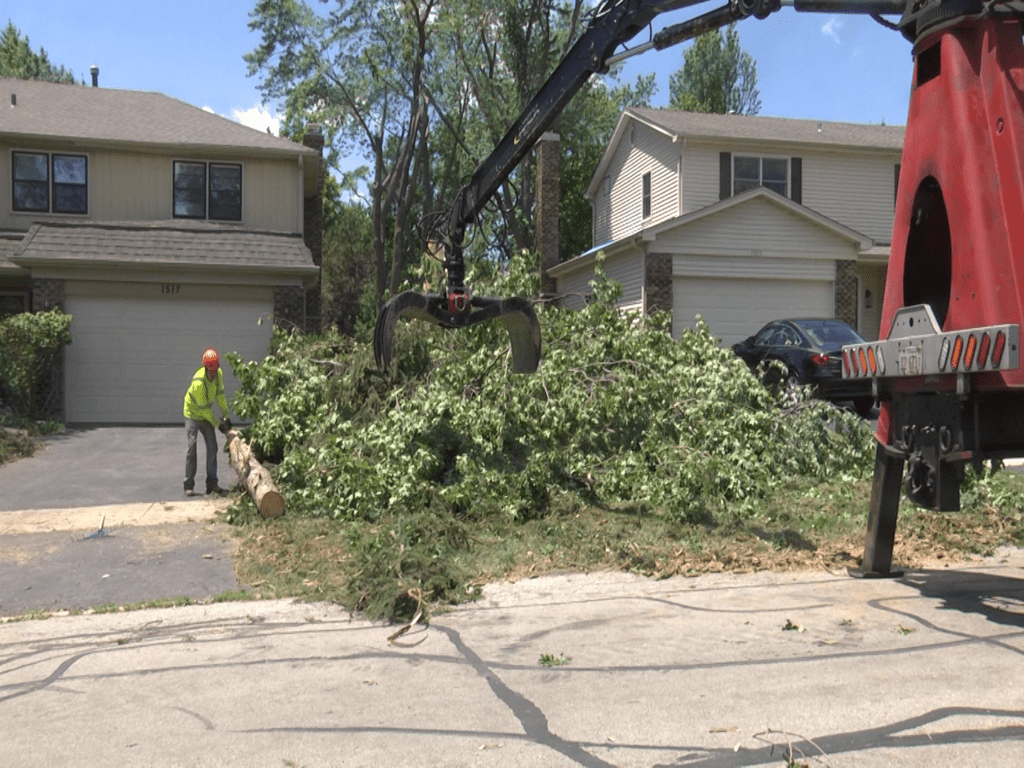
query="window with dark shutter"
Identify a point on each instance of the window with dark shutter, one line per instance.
(796, 180)
(724, 175)
(750, 172)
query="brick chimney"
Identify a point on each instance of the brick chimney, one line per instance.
(95, 72)
(313, 227)
(547, 243)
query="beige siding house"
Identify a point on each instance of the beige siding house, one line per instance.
(742, 220)
(163, 229)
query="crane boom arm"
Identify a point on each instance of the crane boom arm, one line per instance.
(614, 23)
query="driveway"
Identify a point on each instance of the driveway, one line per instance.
(99, 516)
(104, 465)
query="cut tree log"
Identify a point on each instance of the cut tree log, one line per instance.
(254, 477)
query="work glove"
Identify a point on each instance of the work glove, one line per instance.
(225, 426)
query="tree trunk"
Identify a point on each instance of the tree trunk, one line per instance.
(254, 477)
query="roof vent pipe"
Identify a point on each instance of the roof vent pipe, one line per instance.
(95, 72)
(14, 99)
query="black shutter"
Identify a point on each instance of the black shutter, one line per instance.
(896, 184)
(724, 175)
(796, 180)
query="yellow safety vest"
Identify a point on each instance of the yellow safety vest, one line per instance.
(202, 393)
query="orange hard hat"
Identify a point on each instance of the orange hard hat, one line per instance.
(211, 359)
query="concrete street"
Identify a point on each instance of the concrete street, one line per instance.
(588, 669)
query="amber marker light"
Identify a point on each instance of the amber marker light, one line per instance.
(958, 348)
(972, 346)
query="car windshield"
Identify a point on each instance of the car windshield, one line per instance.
(830, 333)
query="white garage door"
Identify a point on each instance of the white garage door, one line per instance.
(735, 308)
(135, 347)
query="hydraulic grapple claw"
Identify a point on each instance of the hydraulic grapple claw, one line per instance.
(516, 313)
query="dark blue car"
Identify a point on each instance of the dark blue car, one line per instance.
(812, 352)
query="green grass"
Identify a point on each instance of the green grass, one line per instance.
(384, 568)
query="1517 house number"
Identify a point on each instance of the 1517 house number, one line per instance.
(170, 288)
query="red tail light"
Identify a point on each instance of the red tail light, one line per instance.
(997, 349)
(819, 359)
(986, 342)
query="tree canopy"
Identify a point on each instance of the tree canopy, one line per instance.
(717, 76)
(18, 60)
(424, 89)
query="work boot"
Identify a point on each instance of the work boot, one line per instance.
(216, 490)
(190, 492)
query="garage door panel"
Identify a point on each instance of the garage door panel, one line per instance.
(735, 308)
(130, 359)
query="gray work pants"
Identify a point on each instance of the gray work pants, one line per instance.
(193, 427)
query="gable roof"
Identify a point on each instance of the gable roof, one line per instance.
(678, 125)
(781, 129)
(834, 227)
(62, 112)
(650, 234)
(162, 245)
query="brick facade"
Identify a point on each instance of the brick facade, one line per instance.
(313, 229)
(658, 283)
(47, 293)
(846, 292)
(290, 309)
(546, 234)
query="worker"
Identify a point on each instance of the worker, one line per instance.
(207, 387)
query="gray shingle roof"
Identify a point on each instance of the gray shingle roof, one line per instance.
(163, 244)
(8, 245)
(62, 111)
(782, 129)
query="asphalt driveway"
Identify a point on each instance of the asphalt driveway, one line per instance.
(105, 465)
(99, 516)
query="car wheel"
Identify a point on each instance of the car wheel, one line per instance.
(791, 390)
(863, 406)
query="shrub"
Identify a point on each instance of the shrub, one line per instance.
(29, 344)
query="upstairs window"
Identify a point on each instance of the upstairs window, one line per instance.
(43, 183)
(646, 194)
(208, 191)
(751, 172)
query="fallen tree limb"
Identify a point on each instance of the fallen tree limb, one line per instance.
(254, 477)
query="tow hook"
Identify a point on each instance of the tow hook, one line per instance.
(458, 302)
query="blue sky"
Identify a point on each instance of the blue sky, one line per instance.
(814, 66)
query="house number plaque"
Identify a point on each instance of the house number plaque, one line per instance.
(170, 288)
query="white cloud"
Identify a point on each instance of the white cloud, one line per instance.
(258, 118)
(831, 29)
